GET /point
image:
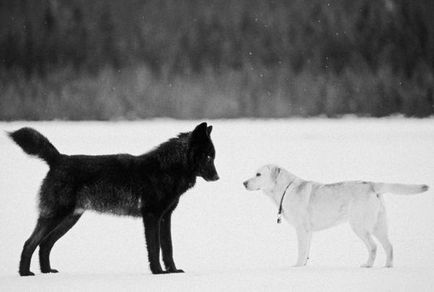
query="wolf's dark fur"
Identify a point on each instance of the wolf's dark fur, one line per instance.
(148, 186)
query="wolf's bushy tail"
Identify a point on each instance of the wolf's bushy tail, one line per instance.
(34, 143)
(399, 189)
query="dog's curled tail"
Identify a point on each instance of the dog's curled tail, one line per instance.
(34, 143)
(399, 189)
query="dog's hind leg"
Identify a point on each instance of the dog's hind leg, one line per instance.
(366, 237)
(43, 227)
(363, 216)
(166, 241)
(381, 233)
(47, 243)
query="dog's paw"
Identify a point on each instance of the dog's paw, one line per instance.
(49, 271)
(26, 273)
(390, 265)
(298, 265)
(366, 266)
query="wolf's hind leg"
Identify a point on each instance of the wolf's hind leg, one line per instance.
(48, 242)
(43, 227)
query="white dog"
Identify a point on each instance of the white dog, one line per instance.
(311, 206)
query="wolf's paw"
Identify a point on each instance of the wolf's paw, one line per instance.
(159, 272)
(49, 271)
(26, 273)
(366, 266)
(175, 271)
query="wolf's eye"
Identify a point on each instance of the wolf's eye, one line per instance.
(258, 174)
(209, 157)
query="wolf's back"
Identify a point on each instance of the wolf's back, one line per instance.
(34, 143)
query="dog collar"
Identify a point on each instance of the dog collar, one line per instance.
(279, 214)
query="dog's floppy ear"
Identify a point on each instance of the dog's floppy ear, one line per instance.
(199, 133)
(275, 172)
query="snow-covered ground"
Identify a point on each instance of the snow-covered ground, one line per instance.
(226, 238)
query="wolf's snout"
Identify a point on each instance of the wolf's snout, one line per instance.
(245, 184)
(213, 177)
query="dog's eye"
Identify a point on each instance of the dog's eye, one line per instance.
(258, 174)
(209, 157)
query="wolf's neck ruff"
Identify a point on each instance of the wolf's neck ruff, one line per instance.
(279, 214)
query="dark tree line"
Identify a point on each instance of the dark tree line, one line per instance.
(364, 57)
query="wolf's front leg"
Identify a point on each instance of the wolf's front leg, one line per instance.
(166, 244)
(304, 238)
(152, 234)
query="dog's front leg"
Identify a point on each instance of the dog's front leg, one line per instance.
(304, 238)
(152, 234)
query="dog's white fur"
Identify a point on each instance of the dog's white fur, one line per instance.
(311, 206)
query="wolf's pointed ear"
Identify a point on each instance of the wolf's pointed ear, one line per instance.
(199, 132)
(275, 172)
(209, 130)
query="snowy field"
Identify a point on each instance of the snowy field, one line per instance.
(226, 238)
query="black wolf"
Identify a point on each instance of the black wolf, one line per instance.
(148, 186)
